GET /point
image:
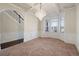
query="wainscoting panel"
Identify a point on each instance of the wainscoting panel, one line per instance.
(30, 35)
(0, 38)
(19, 35)
(0, 41)
(70, 38)
(11, 36)
(77, 44)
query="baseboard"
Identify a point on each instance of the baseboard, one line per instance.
(11, 43)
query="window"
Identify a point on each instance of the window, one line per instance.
(62, 25)
(46, 27)
(54, 25)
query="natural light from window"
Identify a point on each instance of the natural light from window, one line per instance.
(56, 25)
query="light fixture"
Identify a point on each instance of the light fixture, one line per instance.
(40, 13)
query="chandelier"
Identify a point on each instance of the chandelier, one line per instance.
(40, 13)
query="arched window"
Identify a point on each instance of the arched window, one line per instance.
(55, 25)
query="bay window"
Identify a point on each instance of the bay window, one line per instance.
(55, 25)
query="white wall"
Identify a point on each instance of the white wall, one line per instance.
(30, 27)
(0, 27)
(77, 41)
(70, 25)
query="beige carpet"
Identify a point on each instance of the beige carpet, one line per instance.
(41, 47)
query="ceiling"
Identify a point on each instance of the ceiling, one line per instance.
(45, 6)
(48, 8)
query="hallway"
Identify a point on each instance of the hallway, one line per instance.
(41, 47)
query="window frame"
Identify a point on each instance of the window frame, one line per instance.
(52, 21)
(59, 27)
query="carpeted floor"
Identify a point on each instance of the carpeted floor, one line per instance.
(41, 47)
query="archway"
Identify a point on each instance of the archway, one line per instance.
(53, 26)
(12, 27)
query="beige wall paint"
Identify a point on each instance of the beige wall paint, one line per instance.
(77, 41)
(8, 24)
(8, 27)
(30, 26)
(0, 26)
(39, 28)
(70, 25)
(70, 20)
